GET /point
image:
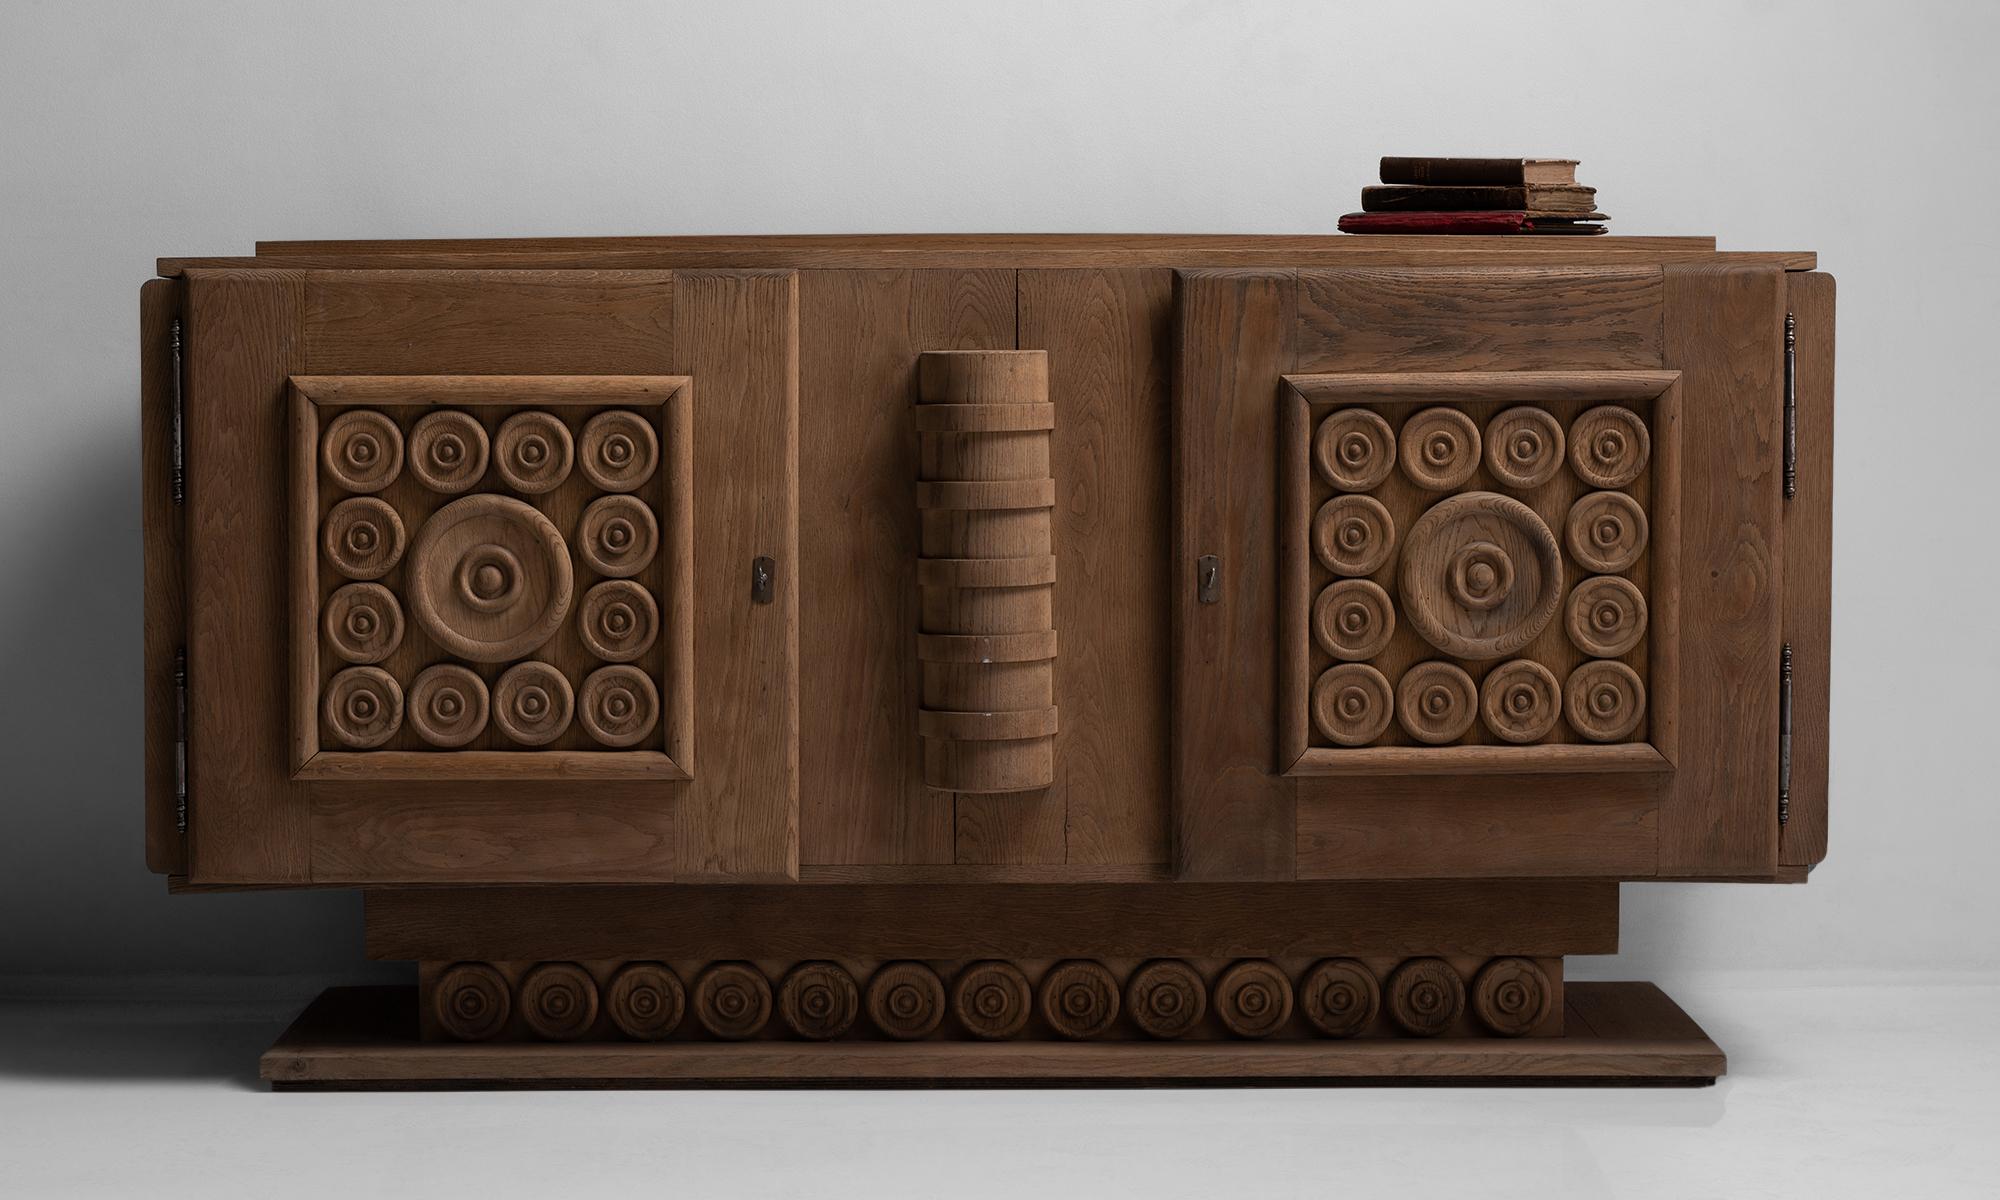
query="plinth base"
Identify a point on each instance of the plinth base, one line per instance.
(1615, 1034)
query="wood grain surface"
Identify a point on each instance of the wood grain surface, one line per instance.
(1808, 586)
(164, 545)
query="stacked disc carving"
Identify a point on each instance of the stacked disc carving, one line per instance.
(1460, 562)
(498, 567)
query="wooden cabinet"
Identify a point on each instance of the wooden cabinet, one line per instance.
(951, 642)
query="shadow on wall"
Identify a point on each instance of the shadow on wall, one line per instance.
(73, 877)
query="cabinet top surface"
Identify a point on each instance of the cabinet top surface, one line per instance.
(864, 251)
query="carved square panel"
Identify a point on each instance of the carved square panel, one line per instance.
(1477, 572)
(491, 577)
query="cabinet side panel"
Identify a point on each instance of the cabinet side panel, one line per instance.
(1107, 336)
(737, 334)
(1233, 819)
(864, 801)
(248, 823)
(1809, 570)
(165, 582)
(1724, 327)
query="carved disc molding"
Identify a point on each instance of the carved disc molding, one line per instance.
(490, 576)
(821, 1000)
(1477, 572)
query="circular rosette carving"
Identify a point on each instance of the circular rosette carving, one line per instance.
(732, 1000)
(1609, 446)
(618, 620)
(1481, 575)
(992, 1000)
(363, 622)
(448, 451)
(1354, 449)
(363, 707)
(490, 578)
(1353, 619)
(906, 1000)
(559, 1001)
(532, 703)
(1353, 535)
(1426, 997)
(1524, 447)
(1340, 997)
(470, 1002)
(533, 452)
(1436, 702)
(1520, 701)
(1604, 700)
(618, 706)
(1511, 996)
(819, 1001)
(645, 1001)
(448, 705)
(1440, 449)
(617, 536)
(1607, 532)
(1352, 703)
(618, 450)
(363, 538)
(1166, 998)
(1606, 616)
(1253, 999)
(1079, 998)
(362, 451)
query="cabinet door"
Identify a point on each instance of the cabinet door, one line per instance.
(490, 576)
(1481, 572)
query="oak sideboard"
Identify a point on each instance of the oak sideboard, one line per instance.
(973, 659)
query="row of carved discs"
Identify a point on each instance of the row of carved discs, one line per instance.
(1439, 448)
(1519, 700)
(532, 703)
(448, 451)
(364, 538)
(992, 1000)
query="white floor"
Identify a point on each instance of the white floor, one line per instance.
(1833, 1091)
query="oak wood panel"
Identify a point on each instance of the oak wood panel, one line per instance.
(1723, 329)
(445, 325)
(1480, 827)
(737, 334)
(864, 799)
(478, 322)
(1107, 334)
(1808, 587)
(962, 921)
(384, 832)
(1571, 318)
(164, 571)
(1232, 818)
(248, 823)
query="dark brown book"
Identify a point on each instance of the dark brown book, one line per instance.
(1480, 222)
(1532, 198)
(1498, 172)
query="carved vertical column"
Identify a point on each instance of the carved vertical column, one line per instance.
(988, 640)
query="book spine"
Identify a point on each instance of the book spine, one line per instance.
(1481, 172)
(1435, 222)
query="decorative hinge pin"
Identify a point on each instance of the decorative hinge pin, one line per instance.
(180, 741)
(174, 369)
(1791, 406)
(1208, 579)
(763, 580)
(1784, 735)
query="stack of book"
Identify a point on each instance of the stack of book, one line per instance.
(1477, 195)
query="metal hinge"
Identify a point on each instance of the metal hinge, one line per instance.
(181, 741)
(174, 368)
(1784, 735)
(1208, 579)
(1791, 406)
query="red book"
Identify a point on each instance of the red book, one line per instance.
(1457, 222)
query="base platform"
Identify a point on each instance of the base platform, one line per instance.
(1616, 1034)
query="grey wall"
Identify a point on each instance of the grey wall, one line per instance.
(134, 130)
